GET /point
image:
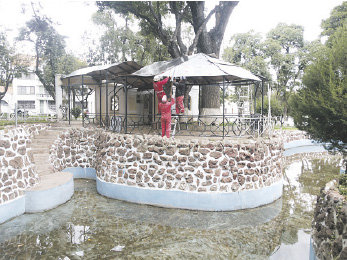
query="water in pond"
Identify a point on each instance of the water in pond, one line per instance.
(90, 226)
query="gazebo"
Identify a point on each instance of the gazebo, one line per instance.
(199, 69)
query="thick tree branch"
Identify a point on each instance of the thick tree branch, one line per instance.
(177, 33)
(223, 11)
(201, 28)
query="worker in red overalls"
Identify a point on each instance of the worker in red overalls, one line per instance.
(180, 85)
(165, 110)
(158, 87)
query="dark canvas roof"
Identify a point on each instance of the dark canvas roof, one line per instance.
(199, 69)
(98, 73)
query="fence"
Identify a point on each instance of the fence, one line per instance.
(186, 125)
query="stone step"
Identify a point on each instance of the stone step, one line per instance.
(39, 137)
(43, 142)
(40, 151)
(41, 158)
(44, 169)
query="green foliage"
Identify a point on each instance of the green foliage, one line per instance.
(119, 43)
(320, 106)
(276, 106)
(338, 18)
(282, 47)
(76, 112)
(11, 64)
(247, 51)
(69, 63)
(49, 48)
(343, 184)
(153, 22)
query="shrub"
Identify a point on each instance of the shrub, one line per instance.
(343, 184)
(76, 112)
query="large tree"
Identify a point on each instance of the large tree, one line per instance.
(248, 51)
(321, 105)
(119, 43)
(337, 18)
(154, 20)
(49, 47)
(11, 65)
(282, 46)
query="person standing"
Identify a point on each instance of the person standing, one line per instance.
(165, 110)
(180, 85)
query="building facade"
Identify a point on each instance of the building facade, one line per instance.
(29, 95)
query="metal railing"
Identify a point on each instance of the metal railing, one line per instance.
(185, 125)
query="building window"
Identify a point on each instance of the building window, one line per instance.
(115, 103)
(26, 90)
(25, 104)
(51, 105)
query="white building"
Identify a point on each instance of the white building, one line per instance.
(29, 95)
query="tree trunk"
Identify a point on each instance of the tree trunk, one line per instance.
(210, 96)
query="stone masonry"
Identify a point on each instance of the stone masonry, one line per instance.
(330, 224)
(17, 171)
(175, 164)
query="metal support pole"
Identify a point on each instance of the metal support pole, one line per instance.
(16, 113)
(106, 99)
(199, 101)
(256, 86)
(154, 105)
(100, 98)
(114, 105)
(69, 98)
(262, 97)
(82, 101)
(223, 106)
(126, 106)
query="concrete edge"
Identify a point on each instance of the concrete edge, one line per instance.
(300, 142)
(81, 173)
(213, 201)
(12, 208)
(302, 146)
(205, 201)
(42, 200)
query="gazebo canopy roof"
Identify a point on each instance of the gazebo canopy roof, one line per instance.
(199, 69)
(95, 74)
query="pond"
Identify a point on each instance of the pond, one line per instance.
(91, 226)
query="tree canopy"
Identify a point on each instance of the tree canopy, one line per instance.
(50, 54)
(11, 65)
(165, 21)
(153, 20)
(119, 43)
(321, 105)
(248, 52)
(338, 18)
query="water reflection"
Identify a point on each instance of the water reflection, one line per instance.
(91, 226)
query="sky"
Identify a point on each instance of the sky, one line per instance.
(73, 17)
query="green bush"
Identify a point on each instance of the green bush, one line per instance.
(343, 184)
(76, 112)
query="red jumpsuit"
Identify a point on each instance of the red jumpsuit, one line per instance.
(165, 110)
(158, 87)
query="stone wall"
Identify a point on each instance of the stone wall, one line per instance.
(330, 224)
(177, 164)
(16, 162)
